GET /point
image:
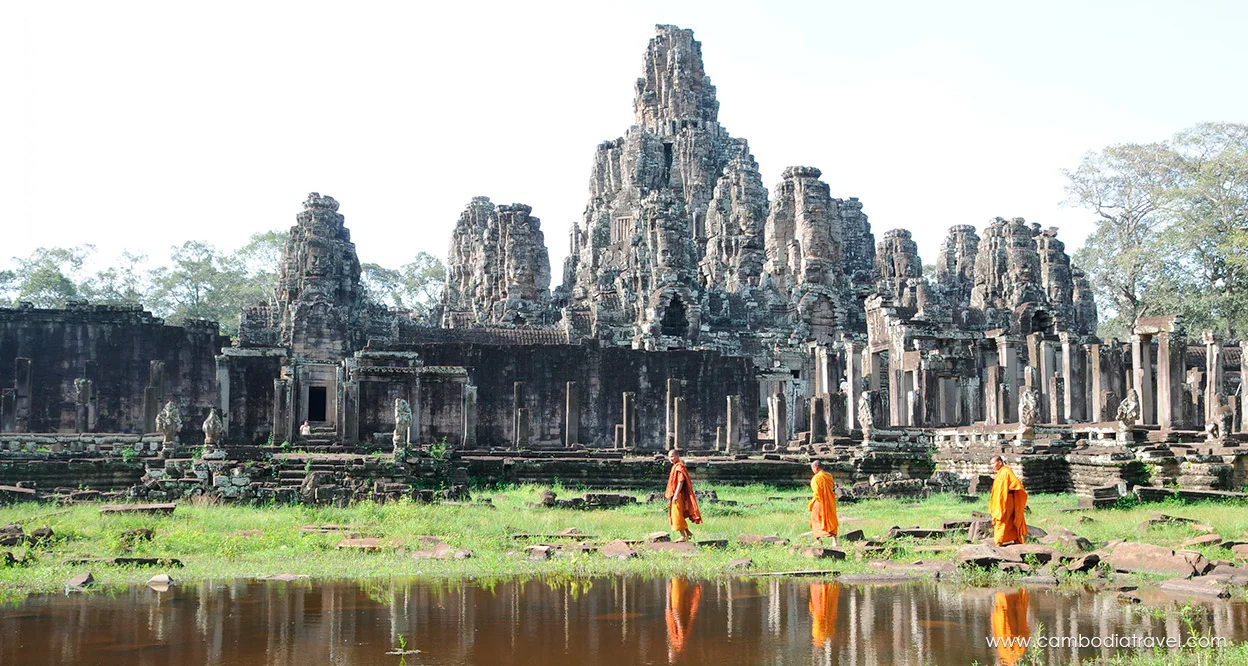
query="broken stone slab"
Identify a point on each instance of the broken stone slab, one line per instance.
(160, 582)
(657, 537)
(41, 534)
(1201, 527)
(444, 551)
(138, 508)
(539, 553)
(1067, 541)
(79, 582)
(577, 536)
(820, 553)
(741, 563)
(618, 550)
(712, 543)
(915, 533)
(12, 539)
(1158, 519)
(979, 555)
(369, 544)
(1202, 586)
(852, 536)
(1083, 564)
(979, 530)
(1199, 562)
(1133, 557)
(1204, 540)
(1035, 533)
(1021, 552)
(919, 568)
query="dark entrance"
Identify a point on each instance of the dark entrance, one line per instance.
(316, 403)
(674, 321)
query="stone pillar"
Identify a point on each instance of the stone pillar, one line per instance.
(778, 418)
(1007, 357)
(1243, 390)
(619, 436)
(83, 389)
(1215, 379)
(223, 398)
(351, 411)
(629, 438)
(1170, 350)
(1142, 371)
(993, 400)
(1057, 399)
(281, 411)
(572, 414)
(818, 425)
(853, 378)
(21, 386)
(520, 416)
(897, 397)
(673, 392)
(1096, 384)
(152, 394)
(733, 441)
(469, 425)
(8, 410)
(720, 441)
(1073, 401)
(680, 423)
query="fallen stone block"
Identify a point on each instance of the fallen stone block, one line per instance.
(1067, 541)
(920, 568)
(12, 539)
(656, 537)
(160, 582)
(955, 525)
(712, 543)
(284, 578)
(618, 550)
(1132, 557)
(979, 555)
(1201, 586)
(741, 563)
(979, 530)
(1022, 552)
(1039, 581)
(80, 581)
(1229, 575)
(539, 553)
(915, 533)
(851, 536)
(1199, 562)
(444, 551)
(360, 544)
(755, 539)
(1084, 563)
(41, 534)
(1014, 567)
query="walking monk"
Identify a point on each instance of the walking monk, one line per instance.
(684, 505)
(1006, 505)
(823, 522)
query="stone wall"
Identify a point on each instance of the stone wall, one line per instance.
(604, 373)
(131, 361)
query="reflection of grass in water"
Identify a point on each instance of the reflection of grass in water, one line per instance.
(209, 539)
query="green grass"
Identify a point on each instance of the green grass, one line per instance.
(208, 541)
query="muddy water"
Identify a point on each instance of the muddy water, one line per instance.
(602, 621)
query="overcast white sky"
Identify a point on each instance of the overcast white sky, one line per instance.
(141, 125)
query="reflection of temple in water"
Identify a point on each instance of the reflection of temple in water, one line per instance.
(606, 621)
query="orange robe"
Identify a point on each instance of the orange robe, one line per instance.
(822, 506)
(1006, 505)
(682, 608)
(684, 506)
(824, 598)
(1009, 623)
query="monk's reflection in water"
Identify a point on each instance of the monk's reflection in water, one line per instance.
(824, 598)
(1009, 626)
(682, 609)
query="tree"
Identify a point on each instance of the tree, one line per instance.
(124, 282)
(416, 286)
(49, 277)
(1173, 229)
(1127, 186)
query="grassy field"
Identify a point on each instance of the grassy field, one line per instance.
(221, 542)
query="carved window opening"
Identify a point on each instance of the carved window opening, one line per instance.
(667, 163)
(1041, 322)
(317, 396)
(621, 228)
(675, 321)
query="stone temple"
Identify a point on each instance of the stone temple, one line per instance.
(697, 309)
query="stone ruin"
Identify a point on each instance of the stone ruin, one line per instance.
(697, 310)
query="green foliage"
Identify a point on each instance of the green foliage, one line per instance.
(415, 286)
(1172, 229)
(128, 454)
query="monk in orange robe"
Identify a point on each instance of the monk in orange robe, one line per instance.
(682, 608)
(823, 522)
(824, 599)
(683, 505)
(1007, 504)
(1009, 626)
